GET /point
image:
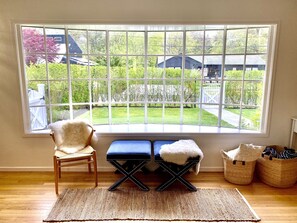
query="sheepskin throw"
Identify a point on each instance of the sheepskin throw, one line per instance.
(71, 136)
(246, 152)
(180, 151)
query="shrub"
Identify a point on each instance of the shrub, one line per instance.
(36, 74)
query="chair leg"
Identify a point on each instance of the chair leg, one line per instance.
(95, 168)
(59, 169)
(56, 173)
(89, 165)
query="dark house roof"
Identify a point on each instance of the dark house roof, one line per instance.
(60, 39)
(196, 61)
(74, 49)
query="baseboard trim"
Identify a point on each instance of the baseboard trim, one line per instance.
(75, 169)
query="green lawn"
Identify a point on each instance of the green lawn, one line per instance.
(154, 114)
(252, 114)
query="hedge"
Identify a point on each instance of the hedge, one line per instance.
(59, 93)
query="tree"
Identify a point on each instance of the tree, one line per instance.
(35, 49)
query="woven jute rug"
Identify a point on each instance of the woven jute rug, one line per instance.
(205, 205)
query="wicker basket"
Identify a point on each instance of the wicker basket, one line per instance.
(275, 172)
(238, 172)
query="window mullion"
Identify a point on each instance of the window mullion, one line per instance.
(183, 77)
(243, 78)
(164, 80)
(89, 80)
(69, 74)
(47, 76)
(222, 79)
(145, 77)
(127, 81)
(108, 78)
(202, 80)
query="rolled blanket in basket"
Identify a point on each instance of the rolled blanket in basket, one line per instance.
(180, 151)
(287, 153)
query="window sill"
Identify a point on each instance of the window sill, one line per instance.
(157, 129)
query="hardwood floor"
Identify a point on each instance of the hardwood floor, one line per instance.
(27, 197)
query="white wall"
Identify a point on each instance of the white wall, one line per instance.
(20, 153)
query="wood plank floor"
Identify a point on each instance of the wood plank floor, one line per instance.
(27, 197)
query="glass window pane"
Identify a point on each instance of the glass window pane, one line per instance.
(99, 91)
(211, 93)
(253, 93)
(34, 72)
(193, 70)
(155, 113)
(155, 91)
(99, 70)
(172, 62)
(119, 91)
(232, 92)
(229, 118)
(194, 42)
(81, 112)
(136, 67)
(59, 92)
(258, 40)
(255, 67)
(37, 93)
(58, 70)
(117, 42)
(212, 67)
(137, 91)
(97, 42)
(39, 116)
(78, 71)
(172, 91)
(60, 113)
(136, 43)
(234, 67)
(191, 114)
(119, 114)
(192, 90)
(136, 114)
(100, 114)
(236, 40)
(174, 43)
(33, 40)
(214, 42)
(80, 91)
(55, 41)
(33, 45)
(209, 115)
(77, 42)
(153, 69)
(118, 67)
(156, 43)
(171, 114)
(251, 118)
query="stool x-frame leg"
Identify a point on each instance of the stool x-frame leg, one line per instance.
(177, 175)
(128, 174)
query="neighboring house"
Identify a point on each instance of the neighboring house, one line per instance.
(213, 64)
(61, 40)
(74, 50)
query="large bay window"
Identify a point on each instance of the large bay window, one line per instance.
(122, 75)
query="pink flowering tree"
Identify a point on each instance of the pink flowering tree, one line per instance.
(34, 47)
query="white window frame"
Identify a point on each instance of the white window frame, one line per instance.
(154, 128)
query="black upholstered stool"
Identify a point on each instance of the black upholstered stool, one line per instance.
(176, 171)
(135, 153)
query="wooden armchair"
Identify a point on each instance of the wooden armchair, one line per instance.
(72, 147)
